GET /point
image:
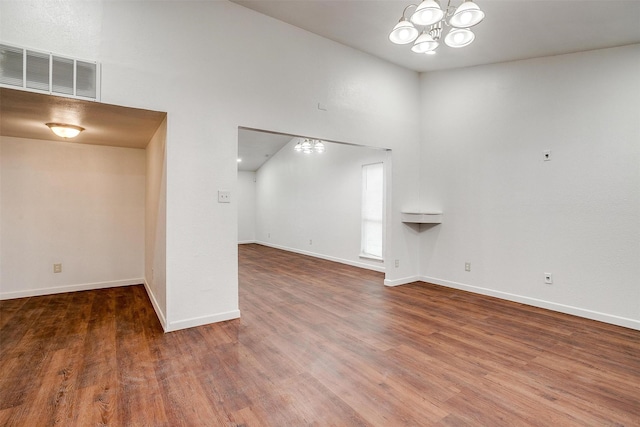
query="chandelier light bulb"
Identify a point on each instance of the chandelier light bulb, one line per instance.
(459, 37)
(466, 15)
(298, 147)
(404, 32)
(427, 13)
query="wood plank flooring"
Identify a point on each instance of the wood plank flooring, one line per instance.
(318, 344)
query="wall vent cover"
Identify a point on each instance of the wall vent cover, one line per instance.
(38, 71)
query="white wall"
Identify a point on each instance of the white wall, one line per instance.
(515, 216)
(75, 204)
(246, 194)
(156, 222)
(311, 203)
(231, 81)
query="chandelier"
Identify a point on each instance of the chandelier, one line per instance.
(424, 27)
(309, 146)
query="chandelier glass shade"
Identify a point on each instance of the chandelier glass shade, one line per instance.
(427, 13)
(308, 146)
(424, 27)
(459, 37)
(424, 43)
(404, 32)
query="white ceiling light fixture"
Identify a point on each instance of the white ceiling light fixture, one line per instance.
(425, 26)
(64, 130)
(308, 146)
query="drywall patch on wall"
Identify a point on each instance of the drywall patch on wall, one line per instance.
(78, 205)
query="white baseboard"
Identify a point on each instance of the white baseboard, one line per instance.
(69, 288)
(202, 320)
(380, 268)
(562, 308)
(156, 307)
(246, 242)
(402, 281)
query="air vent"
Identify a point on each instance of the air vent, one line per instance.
(46, 72)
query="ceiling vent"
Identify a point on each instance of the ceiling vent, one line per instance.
(46, 72)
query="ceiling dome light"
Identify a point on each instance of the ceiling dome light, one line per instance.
(404, 32)
(466, 15)
(64, 130)
(427, 13)
(460, 37)
(425, 43)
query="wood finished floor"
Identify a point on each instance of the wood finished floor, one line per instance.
(318, 344)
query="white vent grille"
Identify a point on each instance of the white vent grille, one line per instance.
(11, 66)
(46, 72)
(62, 75)
(37, 70)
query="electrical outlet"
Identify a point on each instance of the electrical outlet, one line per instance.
(269, 235)
(224, 196)
(57, 268)
(397, 263)
(548, 278)
(546, 155)
(467, 266)
(310, 242)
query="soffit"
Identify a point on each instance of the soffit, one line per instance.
(23, 114)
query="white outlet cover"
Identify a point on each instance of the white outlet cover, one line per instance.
(224, 196)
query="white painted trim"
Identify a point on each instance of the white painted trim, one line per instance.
(562, 308)
(69, 288)
(402, 281)
(246, 242)
(371, 257)
(202, 320)
(156, 306)
(366, 266)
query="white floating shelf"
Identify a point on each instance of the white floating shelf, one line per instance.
(422, 217)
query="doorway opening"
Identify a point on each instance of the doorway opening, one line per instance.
(308, 202)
